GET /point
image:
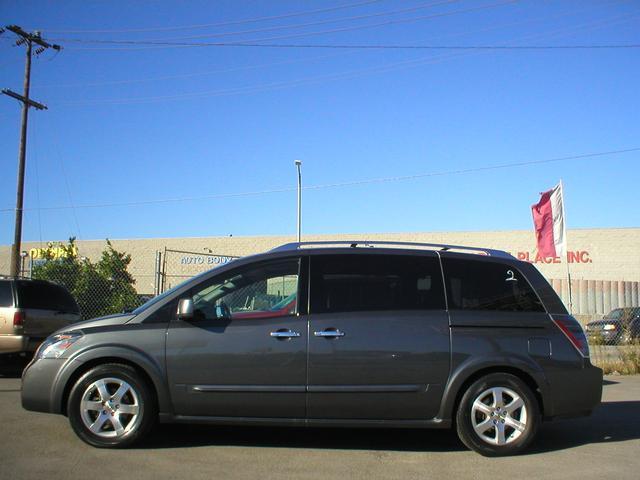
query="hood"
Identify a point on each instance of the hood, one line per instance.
(601, 323)
(117, 319)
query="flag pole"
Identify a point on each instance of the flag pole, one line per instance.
(566, 249)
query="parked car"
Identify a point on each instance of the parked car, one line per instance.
(619, 326)
(30, 310)
(400, 335)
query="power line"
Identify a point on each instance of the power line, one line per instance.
(348, 183)
(225, 24)
(297, 35)
(37, 182)
(270, 86)
(65, 177)
(119, 45)
(377, 47)
(335, 76)
(194, 74)
(421, 6)
(309, 59)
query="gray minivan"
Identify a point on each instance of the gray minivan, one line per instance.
(330, 334)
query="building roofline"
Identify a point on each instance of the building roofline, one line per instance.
(363, 235)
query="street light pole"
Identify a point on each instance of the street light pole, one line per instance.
(298, 164)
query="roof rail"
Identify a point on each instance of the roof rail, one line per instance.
(372, 244)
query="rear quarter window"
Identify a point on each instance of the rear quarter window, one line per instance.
(45, 296)
(482, 285)
(6, 296)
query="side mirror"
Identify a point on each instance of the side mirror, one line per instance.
(185, 309)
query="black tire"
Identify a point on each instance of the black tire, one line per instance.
(110, 376)
(514, 441)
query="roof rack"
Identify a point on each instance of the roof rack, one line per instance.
(390, 244)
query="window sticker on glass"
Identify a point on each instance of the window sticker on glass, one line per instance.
(424, 284)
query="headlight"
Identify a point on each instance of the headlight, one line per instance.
(56, 345)
(609, 326)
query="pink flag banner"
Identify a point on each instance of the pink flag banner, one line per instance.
(548, 220)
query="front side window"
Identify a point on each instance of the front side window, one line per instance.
(481, 285)
(361, 282)
(266, 290)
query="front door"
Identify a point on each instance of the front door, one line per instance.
(244, 352)
(379, 337)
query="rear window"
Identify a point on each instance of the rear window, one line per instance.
(6, 297)
(481, 285)
(45, 296)
(351, 283)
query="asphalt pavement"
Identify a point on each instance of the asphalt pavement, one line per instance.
(605, 445)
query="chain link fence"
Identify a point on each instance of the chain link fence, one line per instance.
(97, 292)
(102, 285)
(173, 267)
(114, 281)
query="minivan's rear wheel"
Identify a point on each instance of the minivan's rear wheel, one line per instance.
(111, 406)
(498, 415)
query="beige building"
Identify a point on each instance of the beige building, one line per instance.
(604, 263)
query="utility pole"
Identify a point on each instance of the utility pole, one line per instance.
(29, 39)
(298, 164)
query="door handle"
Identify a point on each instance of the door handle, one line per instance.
(329, 333)
(284, 334)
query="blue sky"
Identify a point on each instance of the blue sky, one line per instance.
(133, 124)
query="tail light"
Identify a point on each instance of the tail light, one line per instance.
(573, 331)
(18, 319)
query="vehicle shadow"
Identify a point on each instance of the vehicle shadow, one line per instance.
(11, 366)
(408, 440)
(611, 422)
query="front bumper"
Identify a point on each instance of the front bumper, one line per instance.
(608, 337)
(39, 382)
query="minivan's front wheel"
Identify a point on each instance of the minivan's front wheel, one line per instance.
(498, 415)
(111, 406)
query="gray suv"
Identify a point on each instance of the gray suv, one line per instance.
(330, 334)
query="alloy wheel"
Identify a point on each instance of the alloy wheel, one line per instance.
(499, 416)
(110, 408)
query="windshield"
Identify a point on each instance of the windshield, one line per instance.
(615, 314)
